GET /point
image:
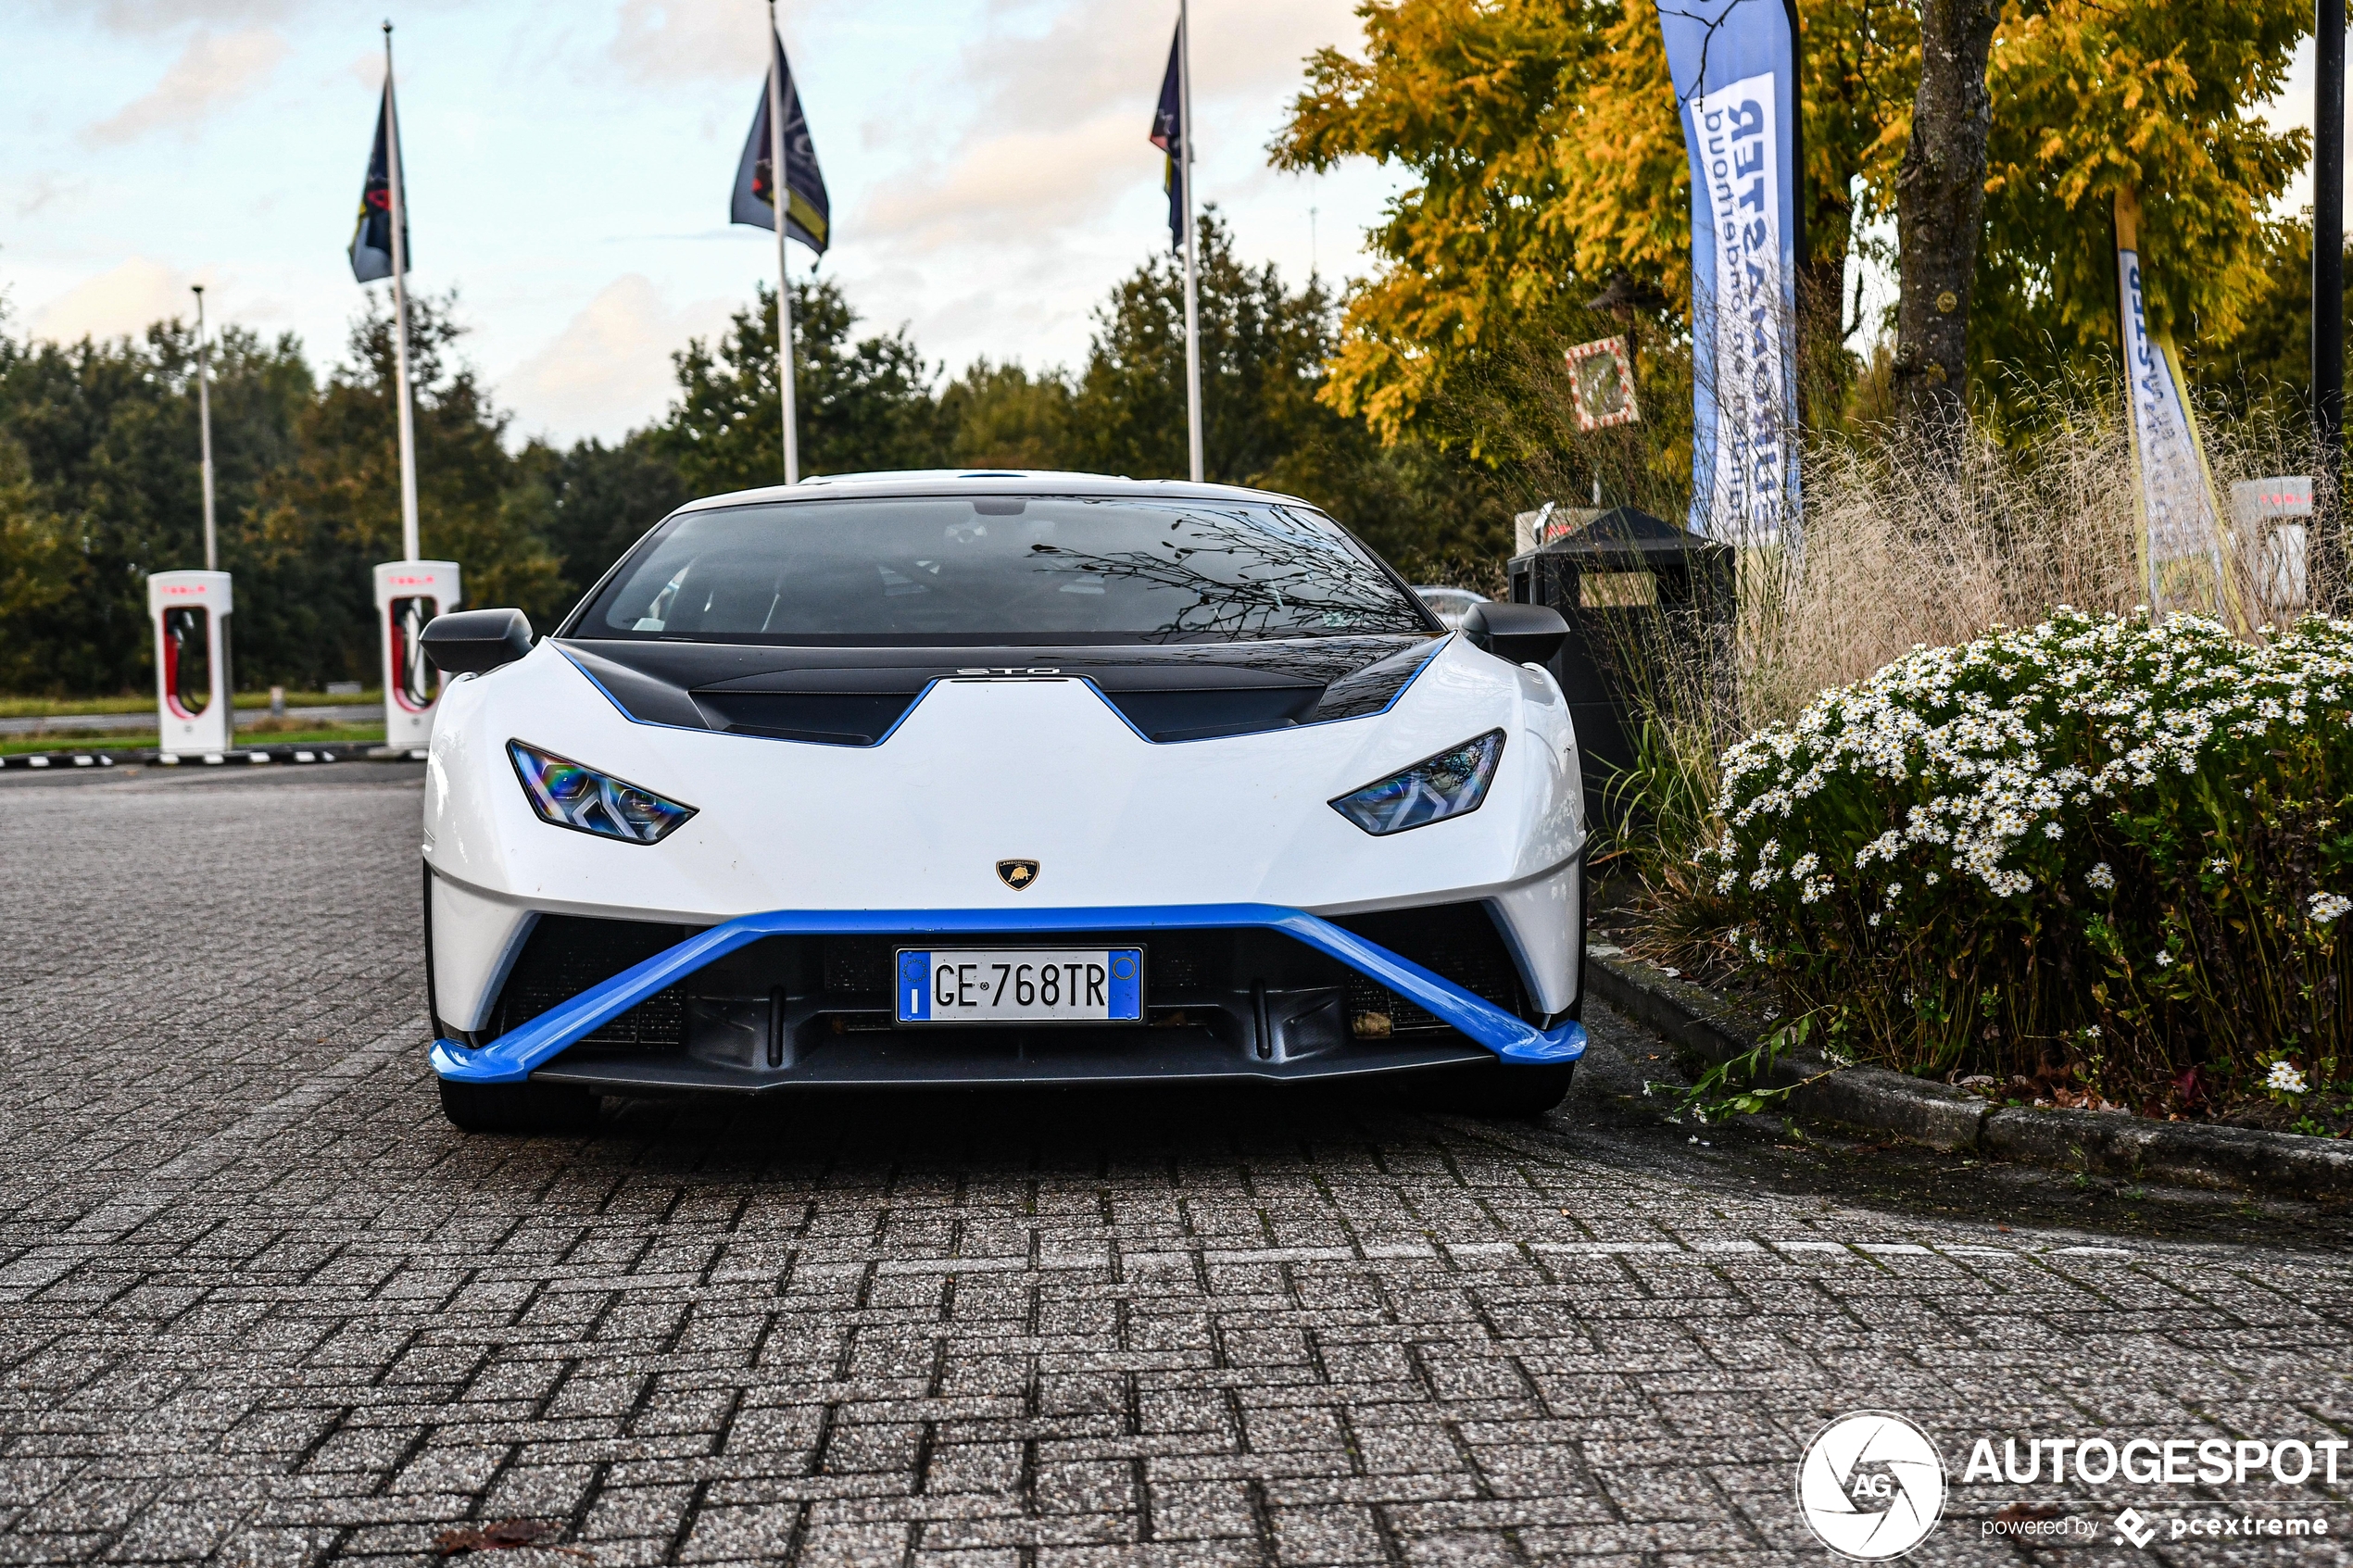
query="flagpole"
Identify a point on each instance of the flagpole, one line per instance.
(204, 432)
(784, 275)
(1193, 286)
(409, 547)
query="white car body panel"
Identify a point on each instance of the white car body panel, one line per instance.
(985, 769)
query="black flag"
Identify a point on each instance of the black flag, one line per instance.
(808, 213)
(371, 237)
(1168, 135)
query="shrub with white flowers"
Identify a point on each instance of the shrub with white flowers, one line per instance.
(2098, 820)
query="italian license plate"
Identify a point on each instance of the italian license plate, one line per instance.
(1021, 986)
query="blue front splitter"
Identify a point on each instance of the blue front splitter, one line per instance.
(511, 1056)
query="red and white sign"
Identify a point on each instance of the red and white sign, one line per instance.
(1601, 384)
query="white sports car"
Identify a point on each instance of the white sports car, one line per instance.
(927, 778)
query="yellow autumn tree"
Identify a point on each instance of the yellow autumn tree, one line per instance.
(1547, 154)
(2091, 97)
(1475, 96)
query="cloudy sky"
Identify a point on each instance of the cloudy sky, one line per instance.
(568, 163)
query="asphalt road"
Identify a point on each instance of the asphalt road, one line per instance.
(259, 1302)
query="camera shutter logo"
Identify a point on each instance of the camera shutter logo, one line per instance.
(1870, 1486)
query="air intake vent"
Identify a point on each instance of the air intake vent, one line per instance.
(827, 717)
(1204, 712)
(568, 954)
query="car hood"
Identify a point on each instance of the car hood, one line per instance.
(858, 695)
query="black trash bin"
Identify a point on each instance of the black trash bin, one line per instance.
(1627, 583)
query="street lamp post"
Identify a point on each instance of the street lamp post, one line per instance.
(2328, 306)
(204, 432)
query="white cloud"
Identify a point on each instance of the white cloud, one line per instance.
(608, 370)
(2293, 111)
(212, 71)
(139, 17)
(675, 41)
(45, 190)
(116, 304)
(1094, 59)
(1063, 121)
(1015, 188)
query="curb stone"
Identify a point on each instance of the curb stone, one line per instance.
(277, 751)
(1940, 1116)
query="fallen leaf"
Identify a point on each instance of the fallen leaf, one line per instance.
(504, 1535)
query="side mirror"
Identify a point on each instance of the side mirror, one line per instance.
(470, 642)
(1523, 633)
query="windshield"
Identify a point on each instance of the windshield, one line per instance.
(989, 570)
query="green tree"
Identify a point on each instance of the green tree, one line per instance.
(1263, 349)
(2267, 364)
(597, 500)
(863, 406)
(1476, 100)
(2095, 96)
(37, 567)
(1002, 417)
(333, 512)
(1547, 153)
(108, 432)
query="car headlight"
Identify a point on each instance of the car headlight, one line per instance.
(1449, 785)
(569, 795)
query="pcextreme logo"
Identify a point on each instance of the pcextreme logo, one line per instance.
(1870, 1486)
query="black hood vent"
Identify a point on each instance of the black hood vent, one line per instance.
(854, 697)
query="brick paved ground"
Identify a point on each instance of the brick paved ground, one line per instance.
(259, 1302)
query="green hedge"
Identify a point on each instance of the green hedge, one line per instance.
(2116, 843)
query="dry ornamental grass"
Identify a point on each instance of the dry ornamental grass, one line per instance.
(1896, 845)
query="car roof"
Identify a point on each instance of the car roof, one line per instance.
(987, 481)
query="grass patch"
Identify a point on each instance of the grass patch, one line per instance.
(251, 735)
(145, 701)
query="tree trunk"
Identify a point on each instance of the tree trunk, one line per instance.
(1824, 373)
(1940, 204)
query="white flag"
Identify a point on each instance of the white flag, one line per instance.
(2181, 538)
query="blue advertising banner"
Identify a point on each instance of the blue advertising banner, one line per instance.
(2181, 535)
(1734, 65)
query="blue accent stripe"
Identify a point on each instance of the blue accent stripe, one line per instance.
(511, 1056)
(1127, 983)
(914, 987)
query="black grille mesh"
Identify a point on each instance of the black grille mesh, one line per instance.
(1458, 942)
(567, 954)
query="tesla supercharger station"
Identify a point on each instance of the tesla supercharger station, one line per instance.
(193, 711)
(409, 594)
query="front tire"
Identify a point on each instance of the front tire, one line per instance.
(517, 1108)
(1507, 1092)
